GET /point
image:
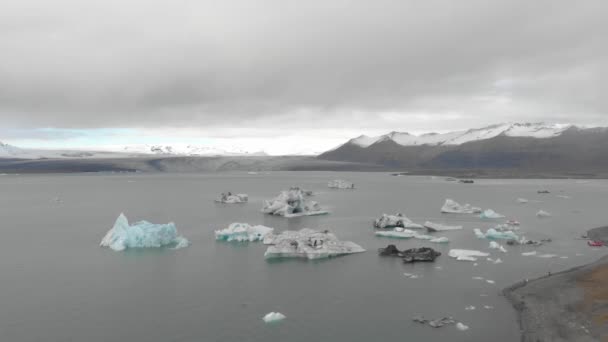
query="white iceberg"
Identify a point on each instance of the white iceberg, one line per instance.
(398, 220)
(452, 207)
(466, 254)
(521, 200)
(547, 256)
(497, 261)
(229, 198)
(436, 227)
(490, 214)
(142, 234)
(308, 243)
(495, 245)
(442, 239)
(529, 253)
(493, 234)
(340, 184)
(542, 213)
(461, 326)
(243, 232)
(272, 317)
(401, 233)
(291, 203)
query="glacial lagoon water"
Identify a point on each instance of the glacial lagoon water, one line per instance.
(57, 284)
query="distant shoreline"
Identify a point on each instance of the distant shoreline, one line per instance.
(565, 306)
(178, 164)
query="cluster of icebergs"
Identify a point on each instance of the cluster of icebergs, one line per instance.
(142, 234)
(291, 203)
(340, 184)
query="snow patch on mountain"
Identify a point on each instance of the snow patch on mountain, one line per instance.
(190, 150)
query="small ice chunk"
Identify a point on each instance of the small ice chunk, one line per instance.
(563, 257)
(490, 214)
(229, 198)
(470, 308)
(452, 207)
(466, 255)
(440, 240)
(498, 261)
(529, 253)
(542, 213)
(461, 326)
(547, 256)
(478, 278)
(272, 317)
(142, 234)
(496, 245)
(243, 232)
(490, 281)
(397, 220)
(436, 227)
(340, 184)
(522, 200)
(411, 275)
(488, 307)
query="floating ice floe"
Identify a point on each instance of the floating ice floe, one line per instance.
(495, 245)
(436, 227)
(400, 233)
(243, 232)
(272, 317)
(478, 278)
(411, 275)
(460, 326)
(452, 207)
(307, 243)
(563, 196)
(470, 308)
(142, 234)
(529, 253)
(521, 200)
(490, 281)
(392, 221)
(490, 214)
(493, 234)
(340, 184)
(466, 254)
(230, 198)
(291, 203)
(547, 256)
(488, 307)
(497, 261)
(542, 213)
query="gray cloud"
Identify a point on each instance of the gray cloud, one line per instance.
(409, 65)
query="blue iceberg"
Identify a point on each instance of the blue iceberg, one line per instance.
(142, 234)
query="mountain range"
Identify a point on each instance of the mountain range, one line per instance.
(519, 146)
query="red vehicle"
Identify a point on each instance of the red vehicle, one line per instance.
(594, 243)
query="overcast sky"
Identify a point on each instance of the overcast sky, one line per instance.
(254, 73)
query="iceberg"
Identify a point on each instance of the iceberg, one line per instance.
(397, 220)
(466, 254)
(401, 233)
(542, 213)
(493, 234)
(340, 184)
(461, 326)
(452, 207)
(495, 245)
(229, 198)
(529, 253)
(440, 240)
(521, 200)
(291, 203)
(490, 214)
(142, 234)
(243, 232)
(307, 243)
(272, 317)
(436, 227)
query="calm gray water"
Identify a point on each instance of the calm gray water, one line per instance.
(57, 284)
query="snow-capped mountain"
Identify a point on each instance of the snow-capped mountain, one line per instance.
(189, 150)
(533, 130)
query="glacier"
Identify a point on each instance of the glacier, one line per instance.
(142, 234)
(397, 220)
(436, 227)
(229, 198)
(490, 214)
(243, 232)
(340, 184)
(291, 203)
(308, 243)
(452, 207)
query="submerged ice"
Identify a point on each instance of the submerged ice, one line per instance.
(243, 232)
(291, 203)
(142, 234)
(308, 243)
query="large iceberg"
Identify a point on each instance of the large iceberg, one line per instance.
(340, 184)
(142, 234)
(466, 254)
(232, 198)
(291, 203)
(494, 234)
(243, 232)
(392, 221)
(436, 227)
(452, 207)
(308, 243)
(490, 214)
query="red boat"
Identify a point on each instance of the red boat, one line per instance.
(594, 243)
